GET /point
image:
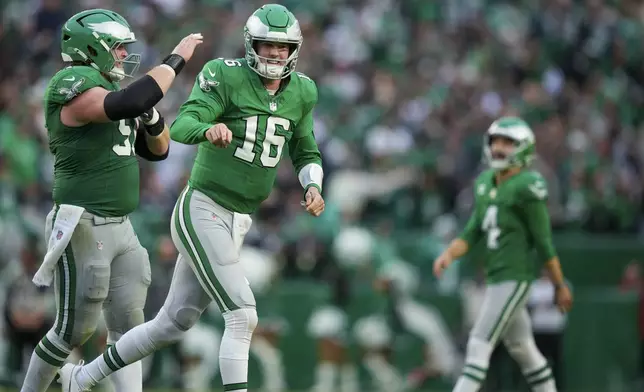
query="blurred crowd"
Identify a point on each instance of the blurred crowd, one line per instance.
(406, 90)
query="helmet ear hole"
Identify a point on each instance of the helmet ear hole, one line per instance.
(92, 52)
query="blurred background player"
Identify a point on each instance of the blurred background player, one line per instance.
(510, 218)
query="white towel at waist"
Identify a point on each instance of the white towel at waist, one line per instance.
(65, 222)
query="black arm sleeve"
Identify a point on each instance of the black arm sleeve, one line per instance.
(133, 100)
(141, 148)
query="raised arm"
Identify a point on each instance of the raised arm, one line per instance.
(97, 104)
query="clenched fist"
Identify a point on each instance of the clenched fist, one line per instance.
(314, 202)
(187, 46)
(219, 135)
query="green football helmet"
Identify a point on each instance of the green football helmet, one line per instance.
(91, 37)
(272, 23)
(519, 132)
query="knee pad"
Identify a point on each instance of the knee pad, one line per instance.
(526, 353)
(183, 317)
(238, 331)
(478, 352)
(241, 320)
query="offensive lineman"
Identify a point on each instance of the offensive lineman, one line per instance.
(95, 136)
(242, 113)
(511, 217)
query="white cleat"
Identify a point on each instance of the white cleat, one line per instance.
(68, 377)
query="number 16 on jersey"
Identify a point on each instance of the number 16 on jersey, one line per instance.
(271, 139)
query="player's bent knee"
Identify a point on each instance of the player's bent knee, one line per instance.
(478, 352)
(243, 319)
(238, 331)
(164, 329)
(184, 317)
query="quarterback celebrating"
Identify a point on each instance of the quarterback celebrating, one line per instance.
(511, 218)
(95, 132)
(241, 113)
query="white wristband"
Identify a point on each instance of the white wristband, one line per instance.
(311, 174)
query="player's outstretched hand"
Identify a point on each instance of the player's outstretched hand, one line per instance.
(314, 202)
(219, 135)
(563, 298)
(441, 263)
(187, 45)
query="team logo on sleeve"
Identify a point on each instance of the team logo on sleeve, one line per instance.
(206, 84)
(59, 235)
(539, 189)
(72, 91)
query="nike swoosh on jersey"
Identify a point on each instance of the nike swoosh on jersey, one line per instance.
(71, 79)
(212, 74)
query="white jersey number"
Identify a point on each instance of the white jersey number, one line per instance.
(125, 149)
(246, 153)
(491, 227)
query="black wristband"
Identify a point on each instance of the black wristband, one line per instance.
(156, 129)
(175, 61)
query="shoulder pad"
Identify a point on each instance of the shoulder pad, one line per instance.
(308, 88)
(218, 71)
(533, 187)
(70, 82)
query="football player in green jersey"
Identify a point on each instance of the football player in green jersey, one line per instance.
(511, 219)
(95, 132)
(241, 113)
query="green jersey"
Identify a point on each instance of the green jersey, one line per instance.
(512, 220)
(241, 176)
(95, 165)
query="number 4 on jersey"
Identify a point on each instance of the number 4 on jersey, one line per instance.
(491, 227)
